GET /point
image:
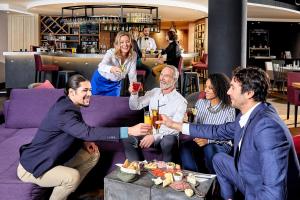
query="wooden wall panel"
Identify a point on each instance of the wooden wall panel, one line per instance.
(22, 32)
(15, 32)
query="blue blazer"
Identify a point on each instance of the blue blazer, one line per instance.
(59, 137)
(268, 163)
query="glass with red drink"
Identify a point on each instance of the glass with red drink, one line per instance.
(136, 86)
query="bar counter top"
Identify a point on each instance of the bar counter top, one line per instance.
(57, 54)
(20, 66)
(77, 55)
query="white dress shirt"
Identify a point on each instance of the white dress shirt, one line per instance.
(173, 105)
(146, 44)
(110, 59)
(244, 119)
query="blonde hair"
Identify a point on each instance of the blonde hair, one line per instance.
(134, 32)
(117, 44)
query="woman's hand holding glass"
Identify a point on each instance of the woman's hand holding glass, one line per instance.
(117, 71)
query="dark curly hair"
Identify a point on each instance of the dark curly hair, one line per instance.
(221, 84)
(253, 79)
(172, 35)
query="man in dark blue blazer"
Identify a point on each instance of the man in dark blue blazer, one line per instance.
(61, 154)
(264, 165)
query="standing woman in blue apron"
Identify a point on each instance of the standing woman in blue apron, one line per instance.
(116, 64)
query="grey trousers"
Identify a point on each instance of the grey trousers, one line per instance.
(168, 146)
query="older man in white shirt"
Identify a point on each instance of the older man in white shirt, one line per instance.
(170, 103)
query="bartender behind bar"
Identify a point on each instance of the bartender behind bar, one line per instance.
(146, 42)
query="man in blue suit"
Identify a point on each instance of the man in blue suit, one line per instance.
(62, 152)
(264, 165)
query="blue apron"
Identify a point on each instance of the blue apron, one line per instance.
(104, 87)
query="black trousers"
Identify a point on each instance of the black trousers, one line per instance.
(168, 146)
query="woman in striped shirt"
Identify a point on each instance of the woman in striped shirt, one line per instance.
(214, 109)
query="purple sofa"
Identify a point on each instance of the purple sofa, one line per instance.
(23, 113)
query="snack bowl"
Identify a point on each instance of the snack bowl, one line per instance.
(170, 165)
(126, 177)
(177, 176)
(128, 170)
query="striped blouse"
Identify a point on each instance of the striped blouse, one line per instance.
(207, 114)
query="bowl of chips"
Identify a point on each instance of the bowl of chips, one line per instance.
(130, 167)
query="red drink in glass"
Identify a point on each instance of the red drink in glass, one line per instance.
(136, 86)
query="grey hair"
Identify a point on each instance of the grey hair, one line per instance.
(175, 72)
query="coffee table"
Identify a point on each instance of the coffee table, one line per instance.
(144, 188)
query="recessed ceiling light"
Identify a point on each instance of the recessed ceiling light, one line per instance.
(7, 12)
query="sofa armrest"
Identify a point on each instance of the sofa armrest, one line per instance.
(2, 119)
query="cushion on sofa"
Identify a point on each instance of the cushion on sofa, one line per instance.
(6, 133)
(5, 108)
(46, 84)
(28, 107)
(9, 154)
(110, 111)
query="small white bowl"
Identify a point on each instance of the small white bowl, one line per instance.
(177, 176)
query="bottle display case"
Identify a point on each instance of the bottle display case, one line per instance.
(200, 38)
(83, 32)
(53, 30)
(259, 43)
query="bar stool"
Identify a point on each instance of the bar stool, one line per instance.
(64, 75)
(190, 82)
(202, 68)
(40, 67)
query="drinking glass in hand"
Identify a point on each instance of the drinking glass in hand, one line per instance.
(191, 113)
(136, 86)
(147, 119)
(155, 117)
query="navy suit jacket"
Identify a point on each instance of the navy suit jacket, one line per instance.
(268, 163)
(59, 137)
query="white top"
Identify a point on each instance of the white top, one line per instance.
(244, 119)
(173, 105)
(110, 59)
(146, 44)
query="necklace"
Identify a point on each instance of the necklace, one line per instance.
(214, 109)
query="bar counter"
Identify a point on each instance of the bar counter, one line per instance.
(20, 66)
